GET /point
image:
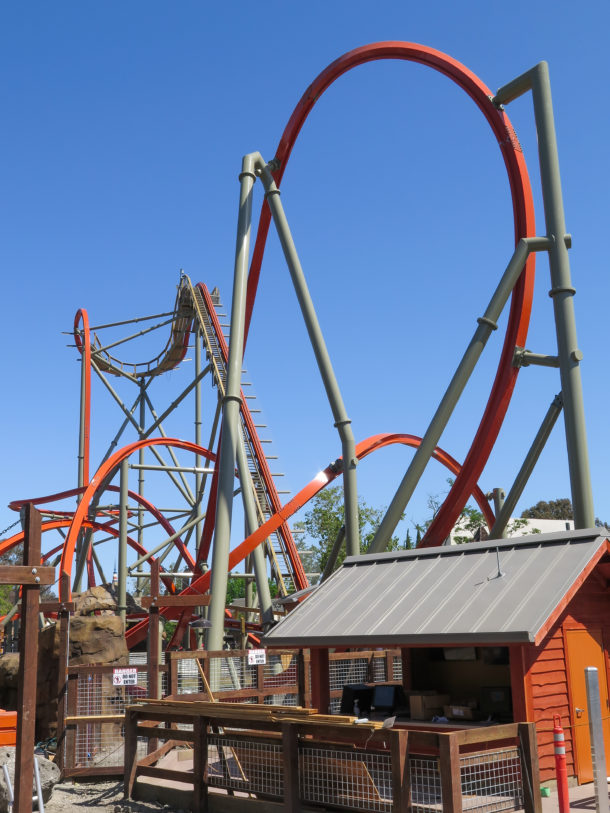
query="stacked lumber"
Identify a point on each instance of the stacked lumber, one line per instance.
(248, 713)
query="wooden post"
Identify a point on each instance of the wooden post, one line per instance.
(290, 764)
(301, 693)
(70, 731)
(451, 780)
(28, 663)
(530, 768)
(389, 665)
(200, 764)
(130, 752)
(172, 676)
(63, 623)
(401, 785)
(320, 683)
(405, 658)
(153, 633)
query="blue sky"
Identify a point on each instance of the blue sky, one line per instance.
(124, 127)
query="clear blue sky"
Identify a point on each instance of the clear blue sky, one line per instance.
(124, 127)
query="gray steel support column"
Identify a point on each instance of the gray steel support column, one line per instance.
(122, 564)
(342, 422)
(332, 556)
(230, 417)
(561, 291)
(498, 497)
(81, 458)
(198, 478)
(258, 556)
(141, 475)
(486, 324)
(546, 427)
(596, 733)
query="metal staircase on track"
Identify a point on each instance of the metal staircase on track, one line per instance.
(280, 547)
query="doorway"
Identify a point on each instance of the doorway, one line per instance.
(585, 648)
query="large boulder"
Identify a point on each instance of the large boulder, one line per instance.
(49, 776)
(98, 639)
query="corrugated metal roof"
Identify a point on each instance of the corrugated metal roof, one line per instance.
(445, 595)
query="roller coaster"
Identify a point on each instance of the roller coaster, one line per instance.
(233, 459)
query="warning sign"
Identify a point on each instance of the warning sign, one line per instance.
(256, 657)
(125, 677)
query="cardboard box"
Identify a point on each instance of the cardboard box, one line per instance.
(453, 712)
(425, 706)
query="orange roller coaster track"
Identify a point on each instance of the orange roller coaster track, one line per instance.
(194, 313)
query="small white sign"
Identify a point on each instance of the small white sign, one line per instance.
(124, 677)
(256, 657)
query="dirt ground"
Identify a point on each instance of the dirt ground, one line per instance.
(97, 797)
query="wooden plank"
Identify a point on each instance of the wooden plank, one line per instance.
(56, 607)
(28, 659)
(166, 773)
(531, 769)
(161, 733)
(191, 600)
(449, 763)
(470, 736)
(77, 719)
(31, 574)
(155, 756)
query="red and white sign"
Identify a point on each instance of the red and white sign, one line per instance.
(125, 677)
(256, 657)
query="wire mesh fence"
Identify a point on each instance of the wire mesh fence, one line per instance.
(250, 765)
(426, 787)
(492, 780)
(355, 780)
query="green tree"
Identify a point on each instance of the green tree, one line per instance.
(553, 509)
(324, 520)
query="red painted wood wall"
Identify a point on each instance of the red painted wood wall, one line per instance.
(544, 671)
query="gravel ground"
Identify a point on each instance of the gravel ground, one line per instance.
(97, 797)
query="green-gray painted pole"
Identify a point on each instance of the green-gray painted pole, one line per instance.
(486, 324)
(342, 422)
(141, 476)
(538, 444)
(81, 458)
(332, 556)
(561, 291)
(230, 415)
(258, 556)
(198, 479)
(122, 564)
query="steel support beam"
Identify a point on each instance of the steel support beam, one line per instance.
(486, 325)
(562, 292)
(230, 416)
(122, 565)
(333, 393)
(508, 506)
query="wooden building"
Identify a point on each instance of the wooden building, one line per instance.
(519, 618)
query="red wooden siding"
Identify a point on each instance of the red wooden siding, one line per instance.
(546, 670)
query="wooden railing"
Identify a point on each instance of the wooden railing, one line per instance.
(296, 757)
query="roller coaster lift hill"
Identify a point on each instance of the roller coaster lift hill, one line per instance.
(234, 444)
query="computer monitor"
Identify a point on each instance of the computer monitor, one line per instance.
(384, 698)
(497, 702)
(359, 692)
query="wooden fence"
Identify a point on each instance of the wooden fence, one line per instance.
(297, 759)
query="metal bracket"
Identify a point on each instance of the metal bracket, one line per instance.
(523, 358)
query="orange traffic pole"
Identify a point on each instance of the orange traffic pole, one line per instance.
(561, 768)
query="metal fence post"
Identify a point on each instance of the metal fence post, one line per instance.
(596, 731)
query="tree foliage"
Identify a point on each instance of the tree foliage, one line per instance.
(324, 520)
(553, 509)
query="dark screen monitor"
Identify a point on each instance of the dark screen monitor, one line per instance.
(496, 701)
(384, 697)
(356, 691)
